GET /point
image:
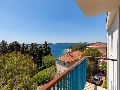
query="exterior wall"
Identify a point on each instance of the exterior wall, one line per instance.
(62, 66)
(70, 64)
(112, 53)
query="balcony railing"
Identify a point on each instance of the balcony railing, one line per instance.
(74, 78)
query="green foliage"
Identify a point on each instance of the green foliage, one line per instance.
(46, 49)
(105, 84)
(3, 47)
(45, 75)
(36, 52)
(16, 72)
(49, 60)
(104, 67)
(92, 63)
(92, 52)
(14, 46)
(79, 47)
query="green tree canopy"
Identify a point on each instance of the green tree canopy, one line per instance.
(49, 60)
(3, 47)
(92, 52)
(92, 63)
(17, 71)
(45, 75)
(79, 47)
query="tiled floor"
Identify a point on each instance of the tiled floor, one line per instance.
(90, 86)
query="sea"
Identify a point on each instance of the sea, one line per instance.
(59, 49)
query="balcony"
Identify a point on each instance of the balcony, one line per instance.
(74, 78)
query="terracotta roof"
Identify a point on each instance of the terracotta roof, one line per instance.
(98, 44)
(70, 56)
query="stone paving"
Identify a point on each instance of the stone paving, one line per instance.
(90, 86)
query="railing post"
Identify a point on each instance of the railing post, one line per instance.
(61, 84)
(58, 86)
(68, 81)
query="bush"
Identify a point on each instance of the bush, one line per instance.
(16, 72)
(79, 47)
(92, 52)
(105, 84)
(45, 75)
(49, 60)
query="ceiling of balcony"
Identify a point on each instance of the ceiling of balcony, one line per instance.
(94, 7)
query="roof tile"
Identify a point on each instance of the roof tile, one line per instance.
(70, 56)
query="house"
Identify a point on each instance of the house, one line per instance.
(67, 60)
(100, 46)
(95, 7)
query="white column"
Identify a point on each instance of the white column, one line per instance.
(118, 56)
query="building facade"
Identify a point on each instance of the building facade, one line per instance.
(67, 60)
(95, 7)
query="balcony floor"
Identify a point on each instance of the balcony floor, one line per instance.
(90, 86)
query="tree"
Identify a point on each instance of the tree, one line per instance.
(79, 47)
(104, 69)
(23, 48)
(45, 76)
(17, 71)
(46, 49)
(49, 60)
(14, 46)
(92, 63)
(92, 52)
(40, 55)
(3, 47)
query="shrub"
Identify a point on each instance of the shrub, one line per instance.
(105, 84)
(16, 72)
(45, 75)
(49, 60)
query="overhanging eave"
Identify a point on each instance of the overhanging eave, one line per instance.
(94, 7)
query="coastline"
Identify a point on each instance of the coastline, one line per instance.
(67, 50)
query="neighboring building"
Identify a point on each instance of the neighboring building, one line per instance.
(100, 46)
(94, 7)
(67, 60)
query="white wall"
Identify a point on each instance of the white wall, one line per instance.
(113, 54)
(62, 66)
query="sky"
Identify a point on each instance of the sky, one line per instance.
(54, 21)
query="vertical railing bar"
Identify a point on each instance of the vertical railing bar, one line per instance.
(53, 87)
(61, 84)
(58, 86)
(77, 77)
(74, 78)
(71, 80)
(68, 88)
(85, 71)
(66, 82)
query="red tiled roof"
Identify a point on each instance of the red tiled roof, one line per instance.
(98, 44)
(70, 56)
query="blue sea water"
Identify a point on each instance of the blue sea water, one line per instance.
(59, 49)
